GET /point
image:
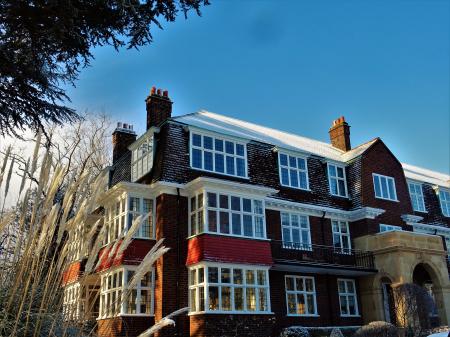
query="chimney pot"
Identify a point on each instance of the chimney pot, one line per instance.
(340, 134)
(153, 90)
(159, 107)
(122, 137)
(165, 93)
(119, 124)
(158, 92)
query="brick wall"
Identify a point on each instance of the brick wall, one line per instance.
(434, 214)
(221, 325)
(125, 326)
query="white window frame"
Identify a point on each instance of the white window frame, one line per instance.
(290, 217)
(142, 157)
(118, 223)
(72, 301)
(347, 295)
(201, 214)
(120, 290)
(337, 178)
(202, 149)
(389, 228)
(303, 292)
(293, 170)
(416, 197)
(388, 179)
(342, 236)
(203, 288)
(444, 200)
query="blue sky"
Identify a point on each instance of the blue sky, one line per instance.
(296, 66)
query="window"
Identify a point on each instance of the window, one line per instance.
(384, 187)
(295, 231)
(389, 228)
(300, 296)
(227, 214)
(142, 158)
(347, 297)
(71, 302)
(337, 180)
(120, 214)
(416, 194)
(228, 288)
(293, 171)
(117, 299)
(341, 237)
(444, 197)
(218, 155)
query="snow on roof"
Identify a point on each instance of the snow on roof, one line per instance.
(238, 128)
(425, 175)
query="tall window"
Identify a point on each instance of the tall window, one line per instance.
(444, 197)
(341, 236)
(384, 187)
(389, 228)
(119, 217)
(347, 297)
(218, 155)
(71, 302)
(228, 288)
(416, 194)
(300, 296)
(116, 298)
(227, 214)
(295, 231)
(337, 180)
(293, 171)
(142, 158)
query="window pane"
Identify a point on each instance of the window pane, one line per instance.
(261, 277)
(294, 178)
(196, 158)
(212, 221)
(384, 189)
(301, 163)
(240, 150)
(224, 223)
(229, 147)
(225, 275)
(201, 297)
(332, 170)
(291, 304)
(391, 189)
(299, 284)
(341, 185)
(146, 301)
(212, 199)
(262, 299)
(343, 301)
(284, 176)
(303, 183)
(146, 280)
(334, 186)
(219, 145)
(235, 203)
(309, 284)
(207, 142)
(240, 167)
(247, 205)
(230, 165)
(213, 274)
(201, 275)
(301, 308)
(223, 201)
(287, 235)
(196, 140)
(283, 159)
(248, 226)
(259, 227)
(258, 206)
(237, 276)
(193, 299)
(238, 299)
(311, 304)
(213, 298)
(236, 223)
(340, 172)
(226, 298)
(250, 277)
(220, 167)
(290, 283)
(208, 160)
(251, 299)
(292, 162)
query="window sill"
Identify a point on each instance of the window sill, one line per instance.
(346, 197)
(295, 188)
(228, 235)
(350, 316)
(221, 312)
(125, 315)
(220, 173)
(385, 199)
(297, 315)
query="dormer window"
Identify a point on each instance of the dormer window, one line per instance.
(142, 157)
(293, 171)
(416, 194)
(444, 198)
(215, 154)
(384, 187)
(337, 180)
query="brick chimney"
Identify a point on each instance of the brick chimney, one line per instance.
(159, 107)
(122, 137)
(340, 134)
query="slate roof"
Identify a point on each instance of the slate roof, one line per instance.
(425, 175)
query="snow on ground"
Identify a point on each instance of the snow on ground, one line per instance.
(440, 334)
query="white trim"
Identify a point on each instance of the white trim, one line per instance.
(411, 218)
(297, 170)
(347, 294)
(442, 191)
(292, 244)
(210, 133)
(417, 196)
(389, 228)
(303, 292)
(140, 140)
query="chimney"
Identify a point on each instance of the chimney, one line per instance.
(122, 137)
(159, 107)
(340, 134)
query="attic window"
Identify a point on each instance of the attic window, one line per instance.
(142, 158)
(444, 197)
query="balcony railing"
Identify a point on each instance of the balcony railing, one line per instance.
(290, 252)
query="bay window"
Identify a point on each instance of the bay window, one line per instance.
(384, 187)
(347, 297)
(295, 231)
(119, 216)
(300, 296)
(219, 155)
(337, 180)
(116, 298)
(341, 237)
(224, 288)
(227, 214)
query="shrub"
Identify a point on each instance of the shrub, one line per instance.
(336, 332)
(377, 329)
(295, 331)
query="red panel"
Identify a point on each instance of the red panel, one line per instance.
(229, 250)
(72, 273)
(133, 255)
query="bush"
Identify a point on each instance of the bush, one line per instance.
(377, 329)
(336, 332)
(295, 331)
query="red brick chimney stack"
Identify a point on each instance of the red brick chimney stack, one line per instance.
(159, 107)
(122, 137)
(340, 134)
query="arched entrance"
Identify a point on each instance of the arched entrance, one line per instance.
(388, 301)
(422, 276)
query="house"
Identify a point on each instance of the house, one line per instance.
(267, 229)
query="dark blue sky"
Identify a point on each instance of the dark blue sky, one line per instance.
(296, 66)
